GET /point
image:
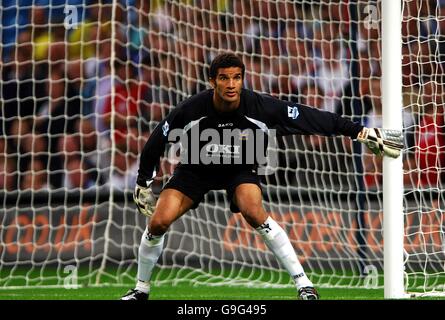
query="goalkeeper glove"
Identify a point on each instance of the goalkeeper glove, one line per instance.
(382, 141)
(144, 198)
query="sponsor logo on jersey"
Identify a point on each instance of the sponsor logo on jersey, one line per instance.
(165, 128)
(223, 149)
(292, 112)
(224, 125)
(227, 146)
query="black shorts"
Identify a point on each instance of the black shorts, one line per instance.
(196, 183)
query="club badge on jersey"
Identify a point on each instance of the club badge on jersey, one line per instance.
(165, 128)
(244, 135)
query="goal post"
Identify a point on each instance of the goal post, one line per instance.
(392, 168)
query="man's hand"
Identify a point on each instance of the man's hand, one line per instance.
(145, 199)
(382, 141)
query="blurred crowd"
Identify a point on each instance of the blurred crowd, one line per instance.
(71, 90)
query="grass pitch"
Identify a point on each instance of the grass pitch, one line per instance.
(179, 291)
(184, 292)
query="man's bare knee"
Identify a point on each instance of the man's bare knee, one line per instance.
(254, 216)
(159, 225)
(170, 206)
(253, 212)
(249, 200)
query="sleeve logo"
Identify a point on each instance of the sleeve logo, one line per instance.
(292, 112)
(165, 128)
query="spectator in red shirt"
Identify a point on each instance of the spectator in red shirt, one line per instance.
(428, 159)
(125, 102)
(430, 150)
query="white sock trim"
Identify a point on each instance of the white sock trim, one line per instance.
(150, 239)
(143, 286)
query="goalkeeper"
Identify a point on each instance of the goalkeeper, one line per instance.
(229, 106)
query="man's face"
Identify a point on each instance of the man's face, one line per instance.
(227, 84)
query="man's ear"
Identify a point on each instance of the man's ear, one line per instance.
(212, 83)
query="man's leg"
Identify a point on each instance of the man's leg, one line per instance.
(248, 198)
(169, 207)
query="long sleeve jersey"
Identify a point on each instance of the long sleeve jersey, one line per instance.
(210, 139)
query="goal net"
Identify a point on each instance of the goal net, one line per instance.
(84, 84)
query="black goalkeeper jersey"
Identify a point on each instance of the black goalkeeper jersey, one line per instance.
(219, 141)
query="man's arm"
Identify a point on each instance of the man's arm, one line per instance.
(155, 146)
(151, 154)
(291, 118)
(149, 162)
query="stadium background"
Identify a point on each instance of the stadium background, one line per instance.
(79, 100)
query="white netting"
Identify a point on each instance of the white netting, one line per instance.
(81, 92)
(423, 84)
